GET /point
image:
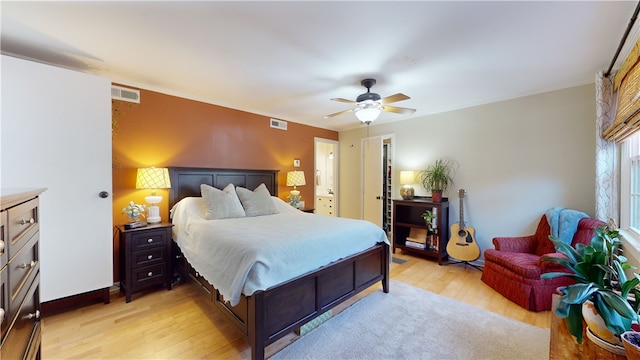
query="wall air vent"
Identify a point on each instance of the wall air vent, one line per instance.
(124, 94)
(278, 124)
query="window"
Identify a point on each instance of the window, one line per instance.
(630, 188)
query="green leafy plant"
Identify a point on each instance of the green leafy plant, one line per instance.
(428, 217)
(439, 175)
(599, 272)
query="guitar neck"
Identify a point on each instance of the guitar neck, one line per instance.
(461, 222)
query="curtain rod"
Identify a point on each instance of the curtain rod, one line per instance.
(624, 38)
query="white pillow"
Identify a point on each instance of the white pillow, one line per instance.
(221, 204)
(257, 202)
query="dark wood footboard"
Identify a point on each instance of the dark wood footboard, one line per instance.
(266, 316)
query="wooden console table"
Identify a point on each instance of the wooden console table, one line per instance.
(564, 346)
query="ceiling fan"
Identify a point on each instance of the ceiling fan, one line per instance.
(369, 105)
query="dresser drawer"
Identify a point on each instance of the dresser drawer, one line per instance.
(23, 268)
(149, 257)
(4, 239)
(148, 239)
(23, 338)
(5, 315)
(23, 223)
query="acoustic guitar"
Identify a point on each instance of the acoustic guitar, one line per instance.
(463, 245)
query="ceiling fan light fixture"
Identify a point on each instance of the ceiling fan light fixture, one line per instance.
(368, 111)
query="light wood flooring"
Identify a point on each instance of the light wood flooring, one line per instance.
(182, 324)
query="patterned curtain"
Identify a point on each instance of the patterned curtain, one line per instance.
(607, 162)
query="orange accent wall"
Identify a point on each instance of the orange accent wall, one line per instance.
(165, 131)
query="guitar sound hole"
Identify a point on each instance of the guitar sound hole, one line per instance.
(462, 233)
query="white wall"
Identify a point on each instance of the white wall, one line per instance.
(517, 158)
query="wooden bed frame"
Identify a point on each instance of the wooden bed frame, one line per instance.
(266, 316)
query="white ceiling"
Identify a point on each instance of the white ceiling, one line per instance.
(287, 59)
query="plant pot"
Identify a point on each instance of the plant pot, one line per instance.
(598, 332)
(436, 195)
(631, 342)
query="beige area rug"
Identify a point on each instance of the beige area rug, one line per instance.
(411, 323)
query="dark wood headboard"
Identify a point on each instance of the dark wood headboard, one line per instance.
(186, 181)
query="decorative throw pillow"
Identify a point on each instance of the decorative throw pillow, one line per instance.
(221, 204)
(257, 202)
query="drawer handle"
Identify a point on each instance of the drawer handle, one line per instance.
(150, 273)
(29, 265)
(149, 257)
(23, 221)
(35, 315)
(149, 240)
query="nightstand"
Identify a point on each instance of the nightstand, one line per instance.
(145, 257)
(307, 210)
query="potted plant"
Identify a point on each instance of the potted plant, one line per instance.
(601, 285)
(133, 210)
(438, 176)
(430, 219)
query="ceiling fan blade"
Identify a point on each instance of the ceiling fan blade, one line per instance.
(338, 113)
(398, 110)
(344, 100)
(394, 98)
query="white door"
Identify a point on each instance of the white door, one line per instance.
(56, 133)
(372, 179)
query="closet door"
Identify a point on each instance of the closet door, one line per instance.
(56, 133)
(372, 180)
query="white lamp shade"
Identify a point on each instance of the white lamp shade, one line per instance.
(295, 178)
(407, 178)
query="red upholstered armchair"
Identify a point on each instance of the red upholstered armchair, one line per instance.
(514, 267)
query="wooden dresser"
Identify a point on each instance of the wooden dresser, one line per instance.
(20, 273)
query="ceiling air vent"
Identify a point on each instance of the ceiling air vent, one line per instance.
(278, 124)
(124, 94)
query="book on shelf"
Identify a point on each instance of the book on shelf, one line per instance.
(413, 244)
(417, 235)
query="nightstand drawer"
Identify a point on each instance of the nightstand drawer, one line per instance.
(154, 273)
(149, 257)
(148, 239)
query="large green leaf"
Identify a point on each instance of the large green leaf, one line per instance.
(615, 312)
(574, 322)
(579, 293)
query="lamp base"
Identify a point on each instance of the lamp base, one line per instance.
(153, 214)
(153, 211)
(407, 192)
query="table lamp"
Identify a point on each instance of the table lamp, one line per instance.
(295, 178)
(407, 178)
(153, 178)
